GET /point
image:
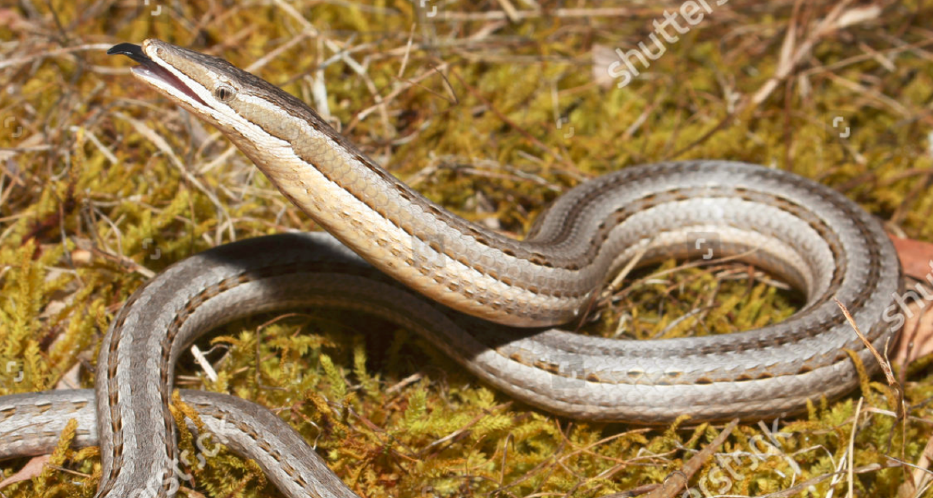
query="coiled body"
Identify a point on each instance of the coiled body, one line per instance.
(811, 236)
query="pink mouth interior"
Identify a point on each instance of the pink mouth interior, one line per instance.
(152, 70)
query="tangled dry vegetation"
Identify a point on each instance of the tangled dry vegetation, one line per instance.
(492, 109)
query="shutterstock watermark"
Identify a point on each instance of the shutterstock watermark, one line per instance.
(690, 11)
(424, 5)
(732, 468)
(15, 373)
(898, 313)
(706, 244)
(10, 123)
(172, 482)
(569, 372)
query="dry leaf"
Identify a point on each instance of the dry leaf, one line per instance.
(916, 257)
(917, 335)
(858, 15)
(603, 56)
(30, 470)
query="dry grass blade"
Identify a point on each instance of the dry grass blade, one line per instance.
(882, 361)
(792, 54)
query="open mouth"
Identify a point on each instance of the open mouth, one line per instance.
(149, 69)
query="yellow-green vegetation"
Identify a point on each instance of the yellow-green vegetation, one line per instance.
(103, 183)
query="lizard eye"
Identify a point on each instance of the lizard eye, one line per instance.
(224, 93)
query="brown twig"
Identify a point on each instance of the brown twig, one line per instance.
(679, 479)
(901, 408)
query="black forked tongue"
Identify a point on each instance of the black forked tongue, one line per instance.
(134, 52)
(150, 70)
